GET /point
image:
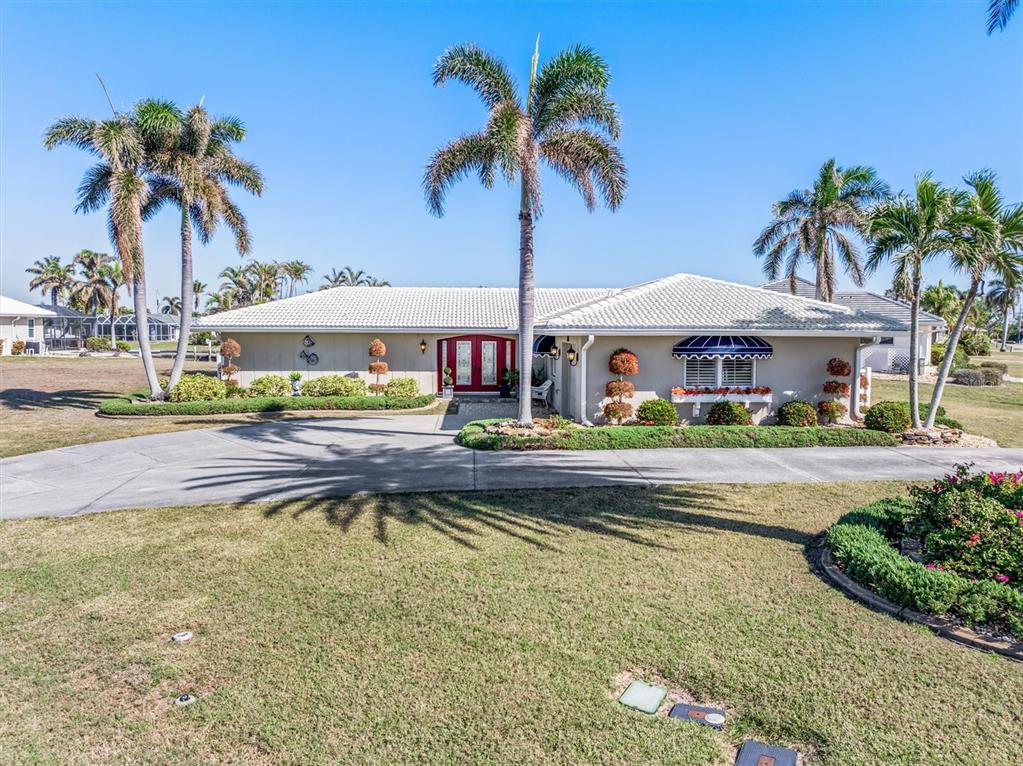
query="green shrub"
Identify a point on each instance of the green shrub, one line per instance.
(261, 404)
(959, 359)
(797, 413)
(831, 410)
(941, 418)
(729, 414)
(294, 377)
(976, 343)
(123, 346)
(992, 377)
(967, 377)
(97, 343)
(334, 385)
(991, 364)
(198, 388)
(890, 417)
(269, 385)
(660, 412)
(402, 388)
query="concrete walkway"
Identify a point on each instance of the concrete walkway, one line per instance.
(407, 453)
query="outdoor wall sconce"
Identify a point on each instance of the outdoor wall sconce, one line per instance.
(555, 352)
(422, 346)
(572, 356)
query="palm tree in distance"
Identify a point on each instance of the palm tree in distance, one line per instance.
(815, 225)
(295, 271)
(992, 245)
(374, 282)
(263, 279)
(1004, 296)
(53, 277)
(222, 301)
(908, 232)
(198, 288)
(998, 14)
(942, 300)
(349, 277)
(194, 165)
(118, 182)
(113, 272)
(93, 287)
(236, 284)
(171, 304)
(565, 119)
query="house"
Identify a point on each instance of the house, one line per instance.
(689, 332)
(22, 321)
(68, 328)
(892, 353)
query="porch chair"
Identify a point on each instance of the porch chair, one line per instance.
(540, 392)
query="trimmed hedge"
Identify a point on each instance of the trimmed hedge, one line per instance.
(660, 412)
(407, 388)
(198, 387)
(262, 404)
(269, 385)
(334, 385)
(797, 413)
(861, 543)
(892, 417)
(475, 436)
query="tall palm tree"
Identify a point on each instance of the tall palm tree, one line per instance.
(992, 244)
(908, 232)
(198, 288)
(999, 12)
(192, 157)
(565, 119)
(53, 277)
(815, 225)
(171, 304)
(295, 271)
(118, 182)
(1005, 295)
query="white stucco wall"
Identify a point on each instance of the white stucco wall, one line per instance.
(796, 371)
(16, 328)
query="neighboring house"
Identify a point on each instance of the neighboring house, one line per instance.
(22, 321)
(69, 328)
(688, 332)
(892, 353)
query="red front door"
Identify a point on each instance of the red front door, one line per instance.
(477, 362)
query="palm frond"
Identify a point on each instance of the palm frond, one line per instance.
(481, 71)
(581, 107)
(72, 131)
(472, 152)
(94, 190)
(573, 69)
(598, 156)
(999, 12)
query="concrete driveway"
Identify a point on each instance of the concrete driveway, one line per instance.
(405, 453)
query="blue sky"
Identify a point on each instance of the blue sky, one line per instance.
(726, 107)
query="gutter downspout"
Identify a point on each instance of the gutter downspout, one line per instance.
(582, 381)
(857, 366)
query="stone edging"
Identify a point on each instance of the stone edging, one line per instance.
(820, 556)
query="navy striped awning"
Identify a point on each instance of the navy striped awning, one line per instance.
(722, 347)
(543, 345)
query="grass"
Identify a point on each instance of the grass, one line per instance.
(123, 406)
(992, 411)
(1013, 359)
(489, 628)
(649, 437)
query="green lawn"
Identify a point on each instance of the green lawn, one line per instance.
(1014, 359)
(992, 411)
(484, 628)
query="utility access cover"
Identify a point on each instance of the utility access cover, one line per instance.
(643, 697)
(753, 753)
(708, 716)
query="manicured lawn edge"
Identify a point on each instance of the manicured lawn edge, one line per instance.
(859, 555)
(125, 407)
(474, 435)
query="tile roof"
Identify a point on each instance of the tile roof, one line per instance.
(860, 300)
(681, 302)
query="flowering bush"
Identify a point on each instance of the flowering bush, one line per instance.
(972, 525)
(761, 390)
(839, 367)
(623, 362)
(729, 414)
(836, 388)
(831, 410)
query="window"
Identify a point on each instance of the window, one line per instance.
(888, 341)
(737, 372)
(700, 373)
(31, 328)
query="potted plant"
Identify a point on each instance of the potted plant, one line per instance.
(296, 379)
(448, 389)
(509, 383)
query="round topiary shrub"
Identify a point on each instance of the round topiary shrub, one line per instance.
(622, 389)
(269, 385)
(617, 411)
(836, 388)
(378, 368)
(839, 367)
(968, 377)
(831, 410)
(660, 412)
(729, 414)
(402, 388)
(623, 362)
(377, 347)
(797, 413)
(198, 388)
(334, 385)
(891, 417)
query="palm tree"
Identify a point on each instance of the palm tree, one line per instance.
(118, 182)
(223, 301)
(374, 282)
(171, 304)
(814, 225)
(566, 120)
(295, 271)
(53, 277)
(908, 232)
(198, 288)
(93, 286)
(942, 300)
(992, 244)
(236, 283)
(999, 12)
(191, 155)
(113, 272)
(1004, 296)
(263, 280)
(347, 277)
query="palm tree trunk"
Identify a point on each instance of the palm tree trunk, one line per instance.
(1005, 328)
(526, 309)
(187, 298)
(950, 349)
(142, 331)
(914, 351)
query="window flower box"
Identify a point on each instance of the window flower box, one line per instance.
(700, 396)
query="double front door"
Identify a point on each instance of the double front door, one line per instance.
(476, 361)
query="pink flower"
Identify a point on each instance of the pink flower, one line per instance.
(974, 539)
(935, 566)
(1002, 578)
(1019, 514)
(997, 477)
